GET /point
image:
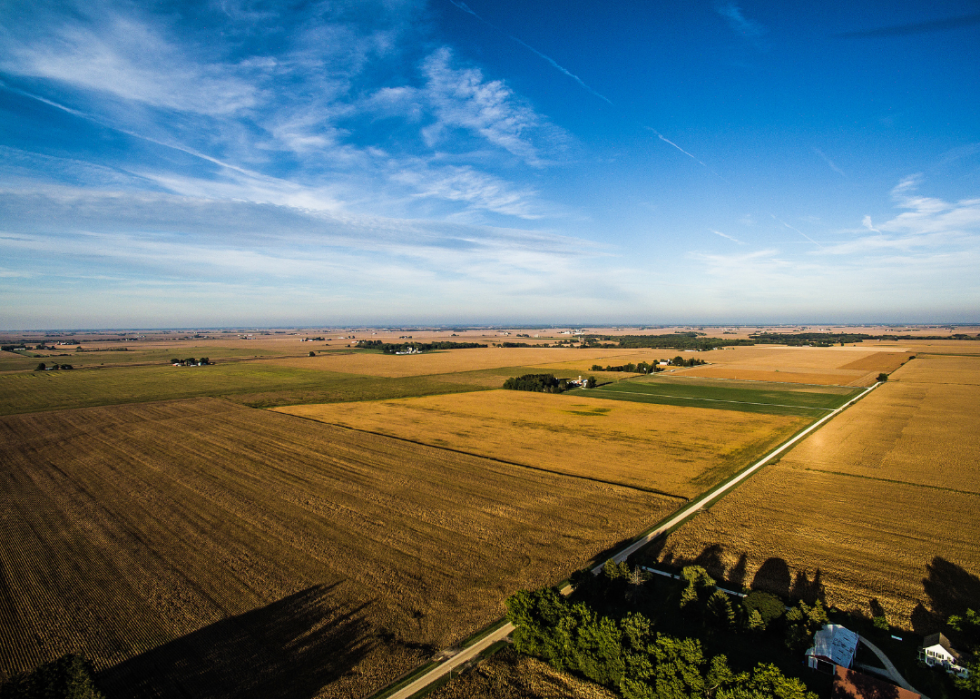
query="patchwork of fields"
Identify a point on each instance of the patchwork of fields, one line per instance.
(879, 504)
(203, 545)
(680, 451)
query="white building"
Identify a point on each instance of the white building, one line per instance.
(832, 645)
(937, 652)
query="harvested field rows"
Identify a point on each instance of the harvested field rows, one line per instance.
(444, 362)
(880, 503)
(199, 548)
(681, 451)
(255, 384)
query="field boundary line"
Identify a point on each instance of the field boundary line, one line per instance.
(421, 686)
(662, 493)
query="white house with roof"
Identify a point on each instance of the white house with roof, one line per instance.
(936, 651)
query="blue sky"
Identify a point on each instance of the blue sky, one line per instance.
(251, 163)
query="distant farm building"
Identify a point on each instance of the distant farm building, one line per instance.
(832, 645)
(936, 651)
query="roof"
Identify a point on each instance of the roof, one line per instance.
(855, 685)
(836, 644)
(938, 639)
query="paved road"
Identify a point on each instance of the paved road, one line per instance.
(890, 667)
(690, 510)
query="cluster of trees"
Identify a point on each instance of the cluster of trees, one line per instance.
(641, 368)
(967, 626)
(830, 339)
(628, 656)
(394, 347)
(54, 367)
(70, 676)
(685, 340)
(515, 344)
(191, 361)
(542, 383)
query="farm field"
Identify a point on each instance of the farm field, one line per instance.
(445, 362)
(752, 397)
(842, 366)
(249, 383)
(201, 548)
(879, 504)
(678, 451)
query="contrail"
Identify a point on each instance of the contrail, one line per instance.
(668, 141)
(466, 8)
(459, 4)
(797, 230)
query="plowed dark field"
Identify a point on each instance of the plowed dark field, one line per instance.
(200, 548)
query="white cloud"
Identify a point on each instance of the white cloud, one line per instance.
(461, 98)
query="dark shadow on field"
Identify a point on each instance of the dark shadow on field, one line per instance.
(951, 590)
(289, 649)
(773, 576)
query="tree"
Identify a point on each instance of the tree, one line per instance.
(768, 606)
(312, 353)
(41, 367)
(801, 623)
(70, 676)
(699, 588)
(719, 610)
(755, 622)
(590, 382)
(882, 377)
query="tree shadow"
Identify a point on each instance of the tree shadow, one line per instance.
(810, 591)
(951, 590)
(736, 576)
(773, 576)
(291, 648)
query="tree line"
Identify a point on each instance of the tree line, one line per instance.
(630, 656)
(395, 347)
(651, 367)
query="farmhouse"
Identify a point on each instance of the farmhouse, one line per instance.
(832, 645)
(855, 685)
(936, 651)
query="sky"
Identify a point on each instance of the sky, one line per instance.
(235, 163)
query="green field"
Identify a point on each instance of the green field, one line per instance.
(254, 384)
(745, 396)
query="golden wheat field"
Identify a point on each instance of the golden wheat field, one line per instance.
(446, 361)
(879, 504)
(680, 451)
(843, 366)
(200, 548)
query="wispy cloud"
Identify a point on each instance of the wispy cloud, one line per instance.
(748, 29)
(728, 237)
(830, 163)
(797, 230)
(461, 98)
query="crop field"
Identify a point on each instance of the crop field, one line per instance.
(444, 362)
(250, 383)
(752, 397)
(678, 451)
(201, 548)
(841, 366)
(878, 504)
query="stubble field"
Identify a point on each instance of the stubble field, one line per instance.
(679, 451)
(879, 504)
(200, 548)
